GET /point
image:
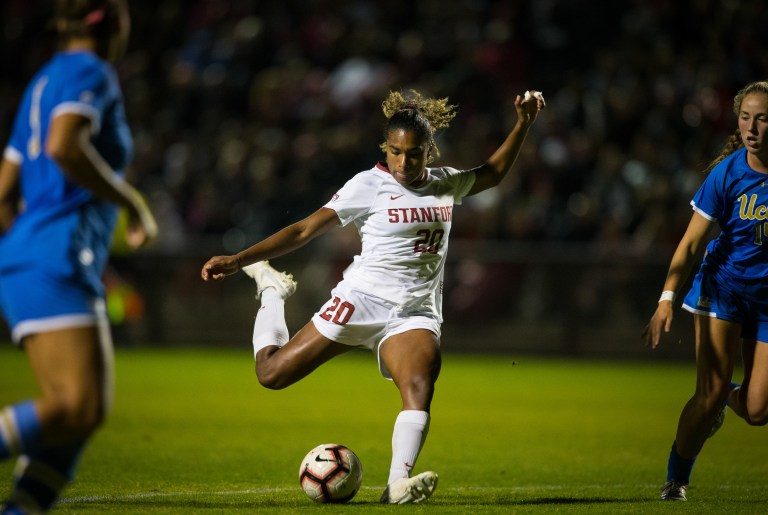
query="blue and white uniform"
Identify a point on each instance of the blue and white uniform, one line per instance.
(395, 284)
(731, 283)
(53, 257)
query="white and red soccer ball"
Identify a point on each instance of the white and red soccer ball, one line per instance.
(331, 473)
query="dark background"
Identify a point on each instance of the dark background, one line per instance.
(247, 116)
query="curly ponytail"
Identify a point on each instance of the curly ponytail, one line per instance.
(424, 116)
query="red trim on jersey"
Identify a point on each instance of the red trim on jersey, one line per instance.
(382, 165)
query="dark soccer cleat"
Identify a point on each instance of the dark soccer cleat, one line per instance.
(674, 491)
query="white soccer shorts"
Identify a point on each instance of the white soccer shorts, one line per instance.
(358, 319)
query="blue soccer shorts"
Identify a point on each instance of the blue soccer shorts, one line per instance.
(725, 298)
(34, 301)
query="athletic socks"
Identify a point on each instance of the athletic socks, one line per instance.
(679, 468)
(20, 430)
(411, 428)
(41, 473)
(270, 328)
(40, 477)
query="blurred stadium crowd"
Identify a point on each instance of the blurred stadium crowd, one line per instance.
(248, 115)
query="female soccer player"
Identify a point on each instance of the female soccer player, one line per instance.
(389, 300)
(729, 296)
(60, 178)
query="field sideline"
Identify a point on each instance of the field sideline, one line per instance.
(193, 432)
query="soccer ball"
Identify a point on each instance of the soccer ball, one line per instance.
(331, 473)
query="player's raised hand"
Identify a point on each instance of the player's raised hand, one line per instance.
(528, 106)
(218, 267)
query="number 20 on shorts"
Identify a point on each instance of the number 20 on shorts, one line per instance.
(339, 312)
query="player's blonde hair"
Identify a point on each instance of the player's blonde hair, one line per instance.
(735, 142)
(416, 113)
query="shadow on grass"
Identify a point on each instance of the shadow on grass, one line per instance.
(267, 502)
(575, 500)
(146, 505)
(183, 506)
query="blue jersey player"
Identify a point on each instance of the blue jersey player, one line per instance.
(729, 296)
(60, 188)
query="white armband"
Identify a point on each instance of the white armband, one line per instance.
(667, 295)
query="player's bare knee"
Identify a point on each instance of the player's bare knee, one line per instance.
(269, 375)
(425, 385)
(267, 369)
(270, 382)
(418, 389)
(757, 416)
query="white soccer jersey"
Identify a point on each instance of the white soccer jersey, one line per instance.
(404, 233)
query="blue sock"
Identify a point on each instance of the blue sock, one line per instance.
(679, 468)
(20, 430)
(12, 509)
(42, 476)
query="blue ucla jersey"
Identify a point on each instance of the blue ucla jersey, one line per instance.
(736, 197)
(62, 228)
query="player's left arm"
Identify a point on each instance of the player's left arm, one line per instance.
(280, 243)
(498, 165)
(679, 269)
(69, 145)
(10, 193)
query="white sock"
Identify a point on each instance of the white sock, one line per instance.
(411, 428)
(269, 328)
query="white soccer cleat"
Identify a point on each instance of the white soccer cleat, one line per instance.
(409, 490)
(267, 277)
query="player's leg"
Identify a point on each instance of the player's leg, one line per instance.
(281, 362)
(751, 400)
(413, 360)
(278, 367)
(73, 368)
(717, 343)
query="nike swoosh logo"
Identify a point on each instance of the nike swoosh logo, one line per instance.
(395, 197)
(320, 459)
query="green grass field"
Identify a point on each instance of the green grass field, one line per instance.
(193, 432)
